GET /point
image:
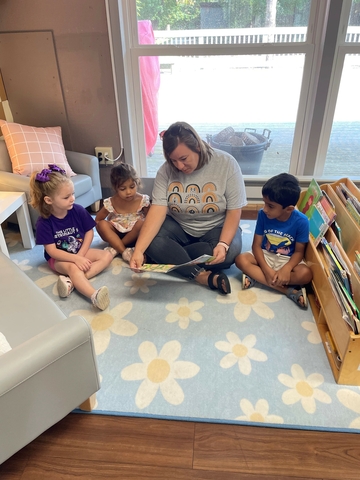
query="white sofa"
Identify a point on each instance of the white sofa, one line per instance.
(51, 368)
(86, 182)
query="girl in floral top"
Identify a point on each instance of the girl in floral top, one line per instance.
(121, 218)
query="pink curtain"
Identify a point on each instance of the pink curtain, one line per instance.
(150, 83)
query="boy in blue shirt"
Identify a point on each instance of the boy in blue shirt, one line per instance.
(278, 248)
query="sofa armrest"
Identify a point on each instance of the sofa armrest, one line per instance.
(84, 164)
(44, 379)
(37, 353)
(11, 182)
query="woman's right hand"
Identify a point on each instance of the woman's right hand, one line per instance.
(136, 261)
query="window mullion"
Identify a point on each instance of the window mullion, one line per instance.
(327, 88)
(316, 35)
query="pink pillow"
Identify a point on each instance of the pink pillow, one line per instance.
(31, 149)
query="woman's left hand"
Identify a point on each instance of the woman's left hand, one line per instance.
(219, 253)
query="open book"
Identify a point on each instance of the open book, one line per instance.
(164, 268)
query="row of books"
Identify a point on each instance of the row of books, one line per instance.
(350, 201)
(320, 210)
(341, 283)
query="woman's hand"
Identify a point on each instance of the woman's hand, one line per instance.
(219, 253)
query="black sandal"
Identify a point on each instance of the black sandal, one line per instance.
(223, 284)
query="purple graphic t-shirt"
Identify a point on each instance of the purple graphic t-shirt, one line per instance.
(67, 233)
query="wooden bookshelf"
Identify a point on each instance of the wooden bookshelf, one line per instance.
(325, 308)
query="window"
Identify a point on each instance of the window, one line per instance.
(232, 64)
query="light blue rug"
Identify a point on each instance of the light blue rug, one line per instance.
(168, 348)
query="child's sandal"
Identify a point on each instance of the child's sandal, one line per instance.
(100, 298)
(250, 282)
(64, 286)
(294, 293)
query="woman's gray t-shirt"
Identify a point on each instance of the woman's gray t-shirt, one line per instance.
(198, 202)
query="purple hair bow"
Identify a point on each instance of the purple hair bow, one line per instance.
(55, 168)
(43, 176)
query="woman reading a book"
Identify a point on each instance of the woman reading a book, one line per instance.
(196, 208)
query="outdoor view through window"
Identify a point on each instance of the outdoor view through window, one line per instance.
(227, 84)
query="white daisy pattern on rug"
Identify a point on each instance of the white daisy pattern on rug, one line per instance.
(259, 413)
(50, 278)
(350, 400)
(250, 299)
(240, 352)
(103, 324)
(303, 389)
(23, 265)
(116, 266)
(159, 372)
(314, 335)
(140, 281)
(246, 228)
(183, 312)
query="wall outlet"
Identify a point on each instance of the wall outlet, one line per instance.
(105, 155)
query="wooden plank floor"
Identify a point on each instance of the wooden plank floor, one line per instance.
(96, 447)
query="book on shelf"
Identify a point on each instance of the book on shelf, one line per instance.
(337, 230)
(346, 304)
(357, 263)
(336, 263)
(352, 204)
(319, 209)
(328, 207)
(352, 209)
(311, 197)
(318, 225)
(166, 268)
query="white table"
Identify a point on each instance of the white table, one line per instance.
(11, 202)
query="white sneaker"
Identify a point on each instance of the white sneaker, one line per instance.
(100, 298)
(64, 286)
(127, 254)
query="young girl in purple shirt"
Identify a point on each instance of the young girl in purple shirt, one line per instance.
(66, 231)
